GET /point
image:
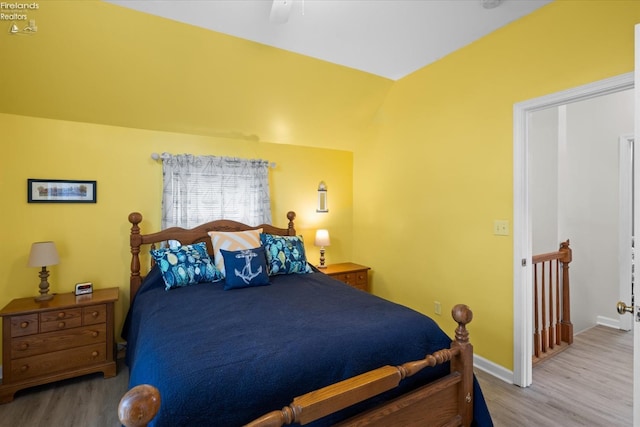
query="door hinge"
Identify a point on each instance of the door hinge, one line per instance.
(524, 262)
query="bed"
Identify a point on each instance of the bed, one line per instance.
(324, 352)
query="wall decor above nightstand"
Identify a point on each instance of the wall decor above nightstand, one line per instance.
(355, 275)
(65, 337)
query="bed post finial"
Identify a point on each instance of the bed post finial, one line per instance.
(291, 215)
(462, 314)
(139, 406)
(135, 240)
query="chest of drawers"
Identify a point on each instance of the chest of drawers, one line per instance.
(53, 340)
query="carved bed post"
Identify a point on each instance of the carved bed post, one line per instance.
(464, 362)
(566, 327)
(291, 215)
(139, 405)
(135, 240)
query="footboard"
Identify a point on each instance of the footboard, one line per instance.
(447, 401)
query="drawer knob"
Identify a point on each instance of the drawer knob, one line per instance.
(61, 325)
(94, 334)
(61, 315)
(23, 346)
(94, 354)
(95, 314)
(24, 368)
(24, 324)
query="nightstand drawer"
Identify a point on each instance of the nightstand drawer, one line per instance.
(24, 325)
(49, 363)
(354, 275)
(56, 341)
(358, 279)
(60, 319)
(94, 314)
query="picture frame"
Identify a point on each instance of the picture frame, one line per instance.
(61, 191)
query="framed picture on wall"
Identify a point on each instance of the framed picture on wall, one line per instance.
(61, 191)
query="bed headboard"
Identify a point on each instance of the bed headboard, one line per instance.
(187, 236)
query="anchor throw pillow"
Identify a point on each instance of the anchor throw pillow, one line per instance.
(245, 268)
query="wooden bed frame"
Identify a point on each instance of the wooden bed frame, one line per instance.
(447, 401)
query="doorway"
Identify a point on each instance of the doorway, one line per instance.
(523, 228)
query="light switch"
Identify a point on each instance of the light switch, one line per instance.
(501, 227)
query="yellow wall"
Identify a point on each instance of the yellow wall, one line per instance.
(92, 239)
(95, 62)
(424, 220)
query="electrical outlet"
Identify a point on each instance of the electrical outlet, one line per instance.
(437, 307)
(501, 227)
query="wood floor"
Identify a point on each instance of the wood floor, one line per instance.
(88, 401)
(587, 385)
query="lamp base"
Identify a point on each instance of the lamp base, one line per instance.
(322, 258)
(44, 286)
(44, 297)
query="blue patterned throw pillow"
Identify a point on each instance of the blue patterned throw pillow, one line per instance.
(245, 268)
(185, 265)
(285, 254)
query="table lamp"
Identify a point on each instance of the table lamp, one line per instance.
(43, 254)
(322, 240)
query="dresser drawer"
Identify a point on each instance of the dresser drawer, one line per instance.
(24, 325)
(357, 279)
(58, 340)
(50, 363)
(94, 314)
(56, 320)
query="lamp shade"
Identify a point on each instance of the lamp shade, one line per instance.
(43, 254)
(322, 238)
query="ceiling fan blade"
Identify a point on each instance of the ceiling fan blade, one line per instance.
(280, 10)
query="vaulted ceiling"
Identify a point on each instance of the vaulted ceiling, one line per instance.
(388, 38)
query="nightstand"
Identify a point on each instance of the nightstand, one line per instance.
(352, 274)
(65, 337)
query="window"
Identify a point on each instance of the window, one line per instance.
(199, 189)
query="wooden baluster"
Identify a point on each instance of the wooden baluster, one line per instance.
(551, 328)
(536, 321)
(557, 318)
(545, 337)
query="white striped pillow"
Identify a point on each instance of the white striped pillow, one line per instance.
(232, 241)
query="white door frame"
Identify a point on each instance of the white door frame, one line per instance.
(522, 234)
(625, 153)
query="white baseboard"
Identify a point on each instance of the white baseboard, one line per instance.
(607, 321)
(494, 369)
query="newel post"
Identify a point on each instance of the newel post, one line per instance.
(566, 327)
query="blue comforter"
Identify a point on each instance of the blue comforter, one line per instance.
(225, 358)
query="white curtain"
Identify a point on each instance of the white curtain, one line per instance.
(199, 189)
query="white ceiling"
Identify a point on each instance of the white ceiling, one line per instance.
(388, 38)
